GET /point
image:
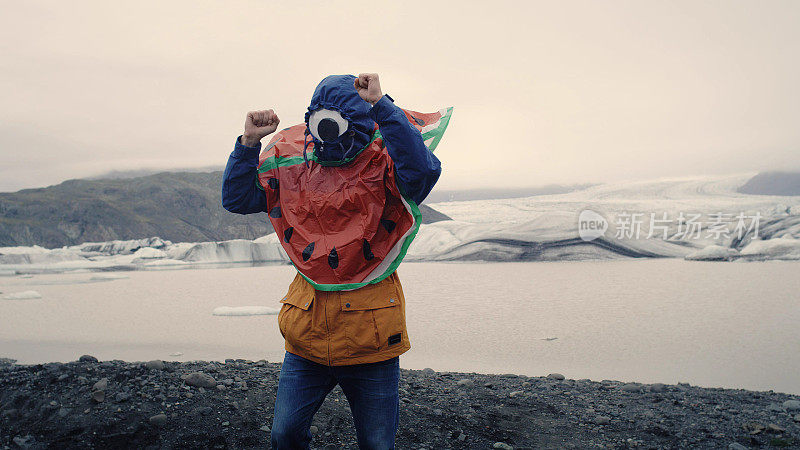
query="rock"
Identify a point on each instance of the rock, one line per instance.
(87, 358)
(437, 412)
(736, 446)
(502, 445)
(797, 417)
(122, 397)
(774, 407)
(201, 380)
(602, 420)
(155, 364)
(516, 394)
(555, 376)
(101, 385)
(313, 429)
(773, 428)
(99, 390)
(631, 387)
(98, 396)
(753, 427)
(204, 410)
(63, 412)
(461, 437)
(265, 429)
(791, 405)
(159, 420)
(658, 387)
(23, 442)
(465, 382)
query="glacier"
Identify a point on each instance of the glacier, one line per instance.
(536, 228)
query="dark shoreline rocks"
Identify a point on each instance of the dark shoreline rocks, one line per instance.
(207, 404)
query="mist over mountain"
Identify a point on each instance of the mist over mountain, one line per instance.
(177, 206)
(143, 172)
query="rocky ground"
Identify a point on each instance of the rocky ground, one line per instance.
(116, 404)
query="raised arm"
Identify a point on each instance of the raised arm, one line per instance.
(240, 191)
(416, 167)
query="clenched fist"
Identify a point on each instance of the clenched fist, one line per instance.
(257, 125)
(368, 87)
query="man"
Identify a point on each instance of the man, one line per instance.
(345, 214)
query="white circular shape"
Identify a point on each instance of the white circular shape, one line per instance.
(316, 117)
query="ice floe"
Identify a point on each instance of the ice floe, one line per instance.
(149, 253)
(783, 248)
(24, 295)
(713, 253)
(108, 277)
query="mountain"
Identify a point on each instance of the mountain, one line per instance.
(177, 206)
(773, 183)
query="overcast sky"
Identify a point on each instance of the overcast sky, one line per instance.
(544, 92)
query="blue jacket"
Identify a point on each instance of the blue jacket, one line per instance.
(416, 168)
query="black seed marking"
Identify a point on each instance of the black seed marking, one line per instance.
(275, 212)
(367, 251)
(328, 130)
(287, 234)
(388, 224)
(308, 251)
(333, 258)
(419, 122)
(273, 183)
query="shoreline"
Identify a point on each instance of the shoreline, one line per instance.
(210, 404)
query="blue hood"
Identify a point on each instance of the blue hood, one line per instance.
(338, 93)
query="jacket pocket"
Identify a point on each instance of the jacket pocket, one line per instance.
(294, 317)
(371, 315)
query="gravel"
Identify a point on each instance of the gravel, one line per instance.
(117, 404)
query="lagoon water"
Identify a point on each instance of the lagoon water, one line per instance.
(730, 324)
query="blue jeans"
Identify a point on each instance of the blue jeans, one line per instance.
(371, 389)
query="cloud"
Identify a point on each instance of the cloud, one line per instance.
(543, 92)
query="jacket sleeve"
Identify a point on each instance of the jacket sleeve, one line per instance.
(240, 191)
(416, 167)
